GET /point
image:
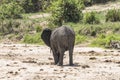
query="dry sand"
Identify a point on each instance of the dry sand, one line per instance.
(35, 62)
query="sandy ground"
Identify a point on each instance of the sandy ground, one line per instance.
(35, 62)
(39, 16)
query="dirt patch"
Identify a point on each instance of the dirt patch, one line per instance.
(35, 62)
(39, 16)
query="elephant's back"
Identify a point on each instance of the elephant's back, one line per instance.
(63, 35)
(63, 31)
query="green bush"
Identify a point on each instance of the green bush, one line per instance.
(10, 10)
(32, 38)
(100, 1)
(80, 39)
(71, 12)
(87, 2)
(90, 30)
(30, 5)
(113, 15)
(90, 18)
(103, 40)
(38, 28)
(91, 2)
(66, 11)
(9, 26)
(7, 1)
(56, 10)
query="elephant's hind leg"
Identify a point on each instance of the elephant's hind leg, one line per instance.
(55, 56)
(61, 54)
(71, 57)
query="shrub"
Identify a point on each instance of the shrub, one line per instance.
(38, 28)
(7, 1)
(30, 5)
(90, 30)
(113, 15)
(9, 26)
(80, 39)
(93, 33)
(100, 1)
(34, 38)
(57, 13)
(66, 11)
(91, 2)
(103, 40)
(87, 2)
(91, 18)
(71, 12)
(10, 10)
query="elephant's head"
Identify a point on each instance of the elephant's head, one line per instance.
(46, 36)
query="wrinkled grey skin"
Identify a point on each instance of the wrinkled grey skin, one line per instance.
(60, 40)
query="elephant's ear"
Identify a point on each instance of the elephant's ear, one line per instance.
(46, 36)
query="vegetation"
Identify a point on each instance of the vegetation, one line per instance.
(104, 40)
(90, 18)
(66, 11)
(10, 10)
(90, 2)
(34, 38)
(30, 5)
(113, 15)
(98, 28)
(80, 39)
(100, 1)
(97, 34)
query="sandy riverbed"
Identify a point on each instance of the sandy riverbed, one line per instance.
(35, 62)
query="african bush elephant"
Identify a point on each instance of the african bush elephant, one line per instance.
(60, 40)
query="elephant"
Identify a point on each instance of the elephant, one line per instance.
(60, 40)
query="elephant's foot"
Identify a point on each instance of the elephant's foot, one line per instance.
(56, 62)
(60, 64)
(71, 64)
